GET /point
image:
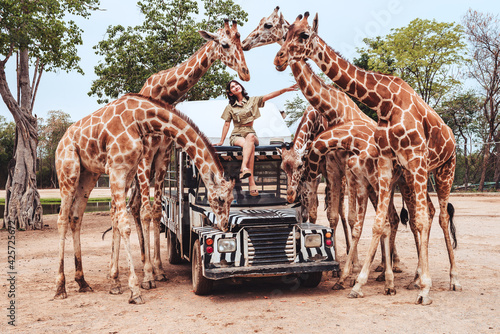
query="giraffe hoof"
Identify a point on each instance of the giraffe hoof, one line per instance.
(338, 286)
(379, 269)
(390, 291)
(397, 270)
(380, 278)
(61, 295)
(424, 300)
(85, 289)
(413, 286)
(136, 300)
(116, 290)
(148, 285)
(161, 278)
(355, 294)
(456, 287)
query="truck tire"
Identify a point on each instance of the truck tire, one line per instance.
(201, 284)
(310, 280)
(173, 255)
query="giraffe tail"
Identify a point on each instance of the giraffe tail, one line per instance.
(104, 233)
(453, 230)
(403, 216)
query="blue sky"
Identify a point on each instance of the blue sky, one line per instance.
(342, 24)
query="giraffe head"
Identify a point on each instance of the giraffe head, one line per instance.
(271, 29)
(299, 42)
(293, 165)
(228, 47)
(220, 196)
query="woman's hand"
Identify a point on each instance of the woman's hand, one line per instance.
(293, 88)
(218, 144)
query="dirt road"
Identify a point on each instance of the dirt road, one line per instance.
(274, 305)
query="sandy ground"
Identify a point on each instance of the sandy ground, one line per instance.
(271, 305)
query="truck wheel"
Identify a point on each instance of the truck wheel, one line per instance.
(201, 284)
(173, 255)
(310, 280)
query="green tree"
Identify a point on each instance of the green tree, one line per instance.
(483, 34)
(426, 54)
(40, 35)
(7, 140)
(167, 37)
(50, 133)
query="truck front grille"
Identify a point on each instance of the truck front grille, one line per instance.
(270, 245)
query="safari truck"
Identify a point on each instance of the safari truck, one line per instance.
(266, 236)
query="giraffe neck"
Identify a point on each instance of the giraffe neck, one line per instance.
(360, 84)
(310, 125)
(166, 120)
(170, 85)
(334, 104)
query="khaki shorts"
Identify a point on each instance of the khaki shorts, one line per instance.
(241, 132)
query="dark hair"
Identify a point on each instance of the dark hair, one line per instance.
(232, 98)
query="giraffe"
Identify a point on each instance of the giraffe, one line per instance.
(357, 139)
(338, 108)
(272, 30)
(409, 133)
(170, 86)
(110, 141)
(311, 124)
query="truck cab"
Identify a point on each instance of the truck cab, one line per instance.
(266, 236)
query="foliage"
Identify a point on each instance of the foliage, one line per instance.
(49, 135)
(294, 110)
(42, 28)
(168, 36)
(7, 140)
(426, 54)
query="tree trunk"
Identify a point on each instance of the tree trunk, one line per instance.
(497, 162)
(484, 167)
(22, 203)
(466, 162)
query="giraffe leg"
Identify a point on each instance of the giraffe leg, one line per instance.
(343, 218)
(408, 194)
(68, 172)
(334, 184)
(116, 287)
(362, 199)
(162, 162)
(118, 180)
(444, 180)
(380, 229)
(394, 223)
(417, 179)
(87, 182)
(134, 206)
(352, 216)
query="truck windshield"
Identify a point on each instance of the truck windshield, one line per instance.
(269, 178)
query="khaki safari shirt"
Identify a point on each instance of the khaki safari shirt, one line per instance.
(242, 113)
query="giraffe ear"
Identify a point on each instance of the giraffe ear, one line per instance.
(209, 36)
(315, 24)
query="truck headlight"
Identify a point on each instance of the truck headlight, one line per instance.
(226, 245)
(312, 240)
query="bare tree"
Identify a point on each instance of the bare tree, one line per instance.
(483, 32)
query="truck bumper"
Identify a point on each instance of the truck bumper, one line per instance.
(270, 270)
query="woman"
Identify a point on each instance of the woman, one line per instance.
(243, 110)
